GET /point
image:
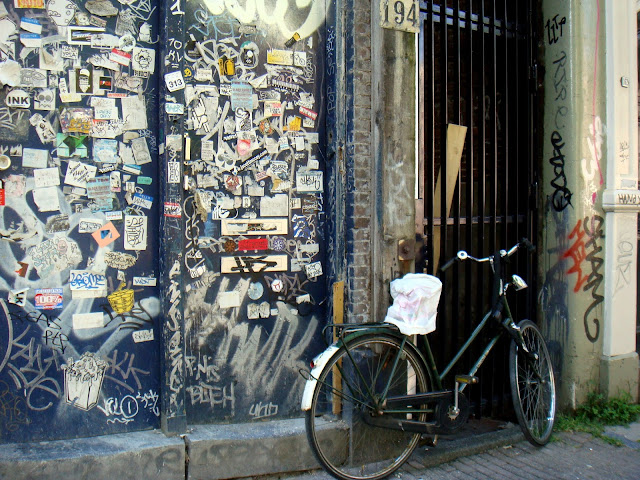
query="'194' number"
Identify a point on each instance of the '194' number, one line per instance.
(400, 15)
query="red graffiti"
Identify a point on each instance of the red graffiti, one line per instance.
(578, 253)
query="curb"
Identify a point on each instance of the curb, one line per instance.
(463, 445)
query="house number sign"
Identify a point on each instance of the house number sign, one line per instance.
(400, 15)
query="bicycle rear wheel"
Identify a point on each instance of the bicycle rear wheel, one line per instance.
(348, 387)
(533, 385)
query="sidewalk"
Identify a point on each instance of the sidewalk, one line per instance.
(574, 456)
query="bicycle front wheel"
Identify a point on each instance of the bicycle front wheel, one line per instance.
(348, 393)
(532, 385)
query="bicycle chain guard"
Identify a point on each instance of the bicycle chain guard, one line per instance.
(447, 422)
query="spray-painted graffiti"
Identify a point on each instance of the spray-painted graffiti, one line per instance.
(585, 253)
(554, 28)
(77, 130)
(125, 409)
(624, 264)
(561, 197)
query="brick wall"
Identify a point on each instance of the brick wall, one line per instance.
(359, 160)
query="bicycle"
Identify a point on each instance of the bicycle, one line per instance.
(367, 396)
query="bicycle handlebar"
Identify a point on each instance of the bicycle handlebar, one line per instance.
(463, 255)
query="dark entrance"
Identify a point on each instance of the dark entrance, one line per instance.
(477, 181)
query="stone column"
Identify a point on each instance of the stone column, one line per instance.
(573, 170)
(621, 202)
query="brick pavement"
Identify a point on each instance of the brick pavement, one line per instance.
(569, 456)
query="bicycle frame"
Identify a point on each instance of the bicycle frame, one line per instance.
(413, 403)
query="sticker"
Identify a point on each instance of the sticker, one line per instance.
(31, 25)
(277, 285)
(22, 271)
(55, 255)
(2, 197)
(241, 96)
(83, 321)
(57, 224)
(143, 60)
(46, 199)
(174, 81)
(120, 57)
(226, 66)
(255, 310)
(135, 232)
(142, 200)
(172, 209)
(174, 108)
(254, 264)
(61, 12)
(18, 297)
(122, 299)
(229, 299)
(45, 100)
(280, 57)
(33, 77)
(276, 206)
(113, 216)
(67, 51)
(145, 281)
(72, 146)
(309, 181)
(99, 187)
(289, 43)
(18, 99)
(140, 151)
(105, 150)
(102, 8)
(34, 158)
(89, 225)
(255, 226)
(313, 270)
(308, 113)
(49, 299)
(81, 35)
(104, 40)
(134, 113)
(87, 284)
(76, 120)
(253, 244)
(255, 290)
(106, 235)
(144, 180)
(78, 173)
(142, 336)
(119, 260)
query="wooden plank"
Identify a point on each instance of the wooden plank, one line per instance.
(456, 135)
(338, 318)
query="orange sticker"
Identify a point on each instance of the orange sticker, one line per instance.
(105, 235)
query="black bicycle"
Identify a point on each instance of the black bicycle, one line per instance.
(372, 394)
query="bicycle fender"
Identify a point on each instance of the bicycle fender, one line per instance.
(319, 363)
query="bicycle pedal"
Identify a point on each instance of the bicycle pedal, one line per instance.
(467, 379)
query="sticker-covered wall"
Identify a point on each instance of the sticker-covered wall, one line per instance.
(79, 345)
(254, 211)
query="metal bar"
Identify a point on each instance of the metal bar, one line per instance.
(470, 166)
(431, 364)
(444, 119)
(466, 345)
(430, 130)
(457, 321)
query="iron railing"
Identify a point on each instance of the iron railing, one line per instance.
(477, 70)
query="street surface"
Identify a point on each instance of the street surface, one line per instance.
(570, 456)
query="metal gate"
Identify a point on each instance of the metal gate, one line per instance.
(476, 177)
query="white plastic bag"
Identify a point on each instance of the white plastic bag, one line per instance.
(415, 303)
